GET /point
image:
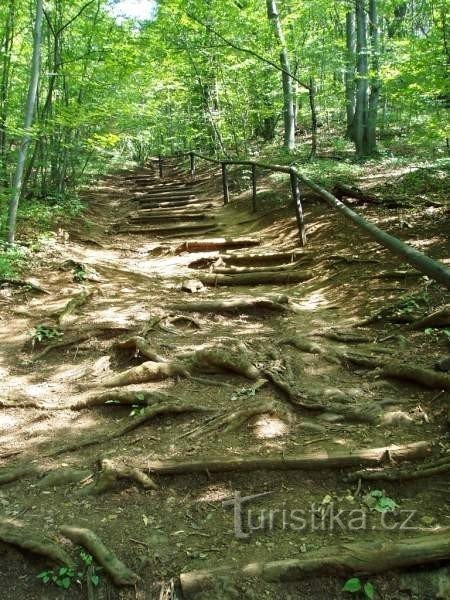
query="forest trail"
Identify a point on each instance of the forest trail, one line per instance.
(250, 347)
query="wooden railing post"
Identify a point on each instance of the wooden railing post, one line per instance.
(226, 190)
(254, 190)
(160, 163)
(192, 160)
(298, 207)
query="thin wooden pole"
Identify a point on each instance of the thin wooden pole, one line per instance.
(254, 190)
(226, 190)
(298, 207)
(192, 159)
(160, 163)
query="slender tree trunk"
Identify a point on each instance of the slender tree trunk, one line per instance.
(362, 84)
(312, 104)
(7, 47)
(375, 83)
(288, 92)
(350, 71)
(28, 121)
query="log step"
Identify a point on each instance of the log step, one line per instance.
(170, 207)
(217, 244)
(183, 228)
(169, 218)
(260, 278)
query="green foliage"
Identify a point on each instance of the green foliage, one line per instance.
(43, 334)
(64, 577)
(79, 274)
(356, 586)
(12, 261)
(376, 500)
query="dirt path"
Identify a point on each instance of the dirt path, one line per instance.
(270, 376)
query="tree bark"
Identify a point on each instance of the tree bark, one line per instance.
(362, 84)
(29, 113)
(288, 92)
(350, 71)
(375, 83)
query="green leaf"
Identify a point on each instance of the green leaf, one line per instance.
(66, 582)
(369, 590)
(95, 580)
(352, 585)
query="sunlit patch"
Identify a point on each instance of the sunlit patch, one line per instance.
(214, 493)
(7, 421)
(267, 427)
(313, 301)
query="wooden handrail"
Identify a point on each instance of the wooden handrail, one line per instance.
(423, 263)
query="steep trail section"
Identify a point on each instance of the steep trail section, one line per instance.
(193, 367)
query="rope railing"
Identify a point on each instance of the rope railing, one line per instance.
(423, 263)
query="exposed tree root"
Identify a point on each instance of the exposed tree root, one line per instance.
(276, 303)
(311, 462)
(111, 471)
(216, 244)
(9, 474)
(121, 398)
(66, 316)
(427, 469)
(397, 370)
(148, 371)
(184, 319)
(26, 284)
(16, 534)
(234, 358)
(234, 420)
(310, 347)
(265, 278)
(346, 337)
(139, 345)
(119, 573)
(62, 476)
(438, 318)
(375, 556)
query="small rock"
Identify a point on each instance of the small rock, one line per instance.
(193, 286)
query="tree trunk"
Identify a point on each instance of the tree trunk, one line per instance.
(288, 92)
(312, 104)
(28, 121)
(375, 84)
(350, 71)
(7, 46)
(362, 96)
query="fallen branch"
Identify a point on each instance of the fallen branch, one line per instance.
(269, 268)
(338, 459)
(427, 469)
(375, 556)
(16, 534)
(120, 573)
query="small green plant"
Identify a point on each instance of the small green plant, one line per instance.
(356, 586)
(64, 577)
(44, 334)
(376, 500)
(436, 332)
(79, 274)
(137, 409)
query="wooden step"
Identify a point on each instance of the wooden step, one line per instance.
(182, 228)
(168, 218)
(175, 206)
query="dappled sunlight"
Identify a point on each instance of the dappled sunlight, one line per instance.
(268, 427)
(214, 493)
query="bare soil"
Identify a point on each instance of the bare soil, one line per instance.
(183, 525)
